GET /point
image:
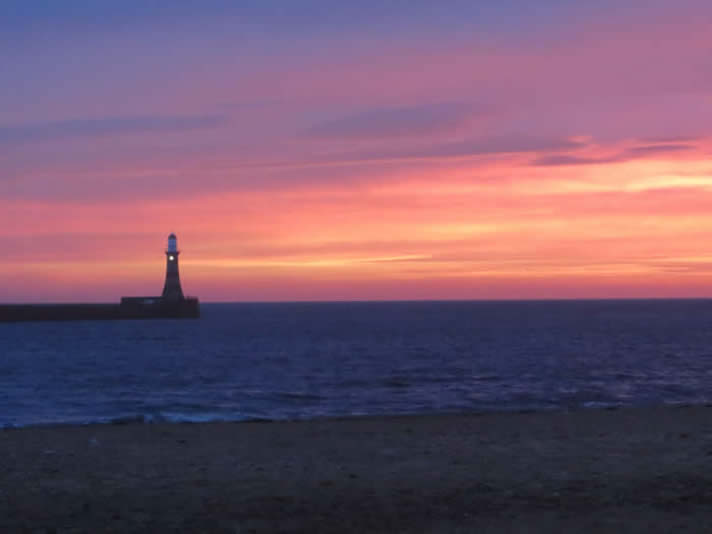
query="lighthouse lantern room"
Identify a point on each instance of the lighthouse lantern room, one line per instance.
(171, 289)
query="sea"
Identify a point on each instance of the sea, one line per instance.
(289, 361)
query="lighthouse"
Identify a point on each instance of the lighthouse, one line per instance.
(171, 289)
(171, 304)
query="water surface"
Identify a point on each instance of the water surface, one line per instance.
(304, 360)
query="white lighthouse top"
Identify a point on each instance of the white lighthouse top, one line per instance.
(172, 243)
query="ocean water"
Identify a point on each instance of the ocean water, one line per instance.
(306, 360)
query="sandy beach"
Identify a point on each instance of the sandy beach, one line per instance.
(628, 470)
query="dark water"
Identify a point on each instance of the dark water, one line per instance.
(275, 361)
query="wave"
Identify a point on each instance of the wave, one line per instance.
(146, 419)
(183, 418)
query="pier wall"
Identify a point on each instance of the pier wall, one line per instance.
(130, 308)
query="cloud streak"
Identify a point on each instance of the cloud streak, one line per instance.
(503, 144)
(629, 154)
(106, 126)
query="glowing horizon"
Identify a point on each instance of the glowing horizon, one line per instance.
(488, 154)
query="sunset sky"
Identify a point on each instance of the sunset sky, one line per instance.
(323, 150)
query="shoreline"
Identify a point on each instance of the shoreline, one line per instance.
(151, 420)
(636, 469)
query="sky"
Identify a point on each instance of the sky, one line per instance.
(381, 149)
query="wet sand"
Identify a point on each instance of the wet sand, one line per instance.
(629, 470)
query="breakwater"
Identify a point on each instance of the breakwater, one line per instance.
(129, 308)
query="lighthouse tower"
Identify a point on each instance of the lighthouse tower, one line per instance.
(171, 289)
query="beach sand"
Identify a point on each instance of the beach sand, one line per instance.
(628, 470)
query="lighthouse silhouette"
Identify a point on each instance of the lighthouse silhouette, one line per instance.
(171, 304)
(171, 289)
